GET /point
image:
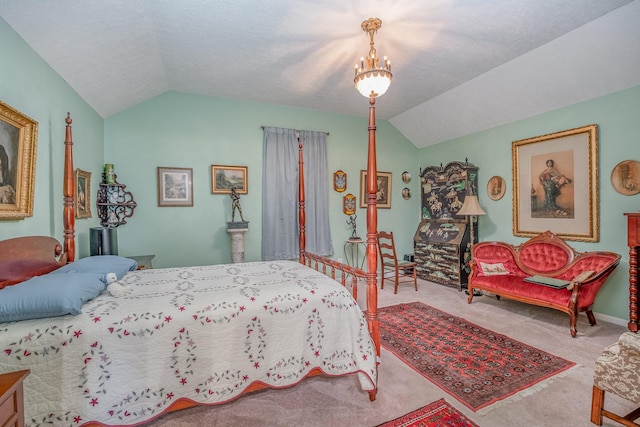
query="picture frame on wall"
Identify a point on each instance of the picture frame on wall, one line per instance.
(18, 140)
(555, 184)
(224, 178)
(83, 194)
(383, 191)
(349, 204)
(496, 187)
(339, 181)
(175, 186)
(625, 177)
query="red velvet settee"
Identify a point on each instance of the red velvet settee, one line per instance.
(501, 269)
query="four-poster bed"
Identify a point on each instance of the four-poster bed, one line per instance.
(179, 339)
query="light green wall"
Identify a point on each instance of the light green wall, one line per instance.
(30, 86)
(191, 131)
(617, 118)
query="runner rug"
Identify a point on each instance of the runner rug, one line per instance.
(435, 414)
(475, 365)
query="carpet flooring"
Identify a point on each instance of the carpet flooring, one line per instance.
(475, 365)
(435, 414)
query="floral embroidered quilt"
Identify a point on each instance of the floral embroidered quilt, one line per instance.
(202, 333)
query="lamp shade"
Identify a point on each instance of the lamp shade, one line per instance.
(471, 206)
(375, 82)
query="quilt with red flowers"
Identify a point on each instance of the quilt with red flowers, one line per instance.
(202, 333)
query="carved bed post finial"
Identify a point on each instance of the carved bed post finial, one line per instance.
(69, 193)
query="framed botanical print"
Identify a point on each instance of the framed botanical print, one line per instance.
(83, 194)
(224, 178)
(175, 186)
(349, 204)
(383, 189)
(339, 181)
(555, 184)
(18, 140)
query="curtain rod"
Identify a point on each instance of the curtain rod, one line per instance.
(297, 130)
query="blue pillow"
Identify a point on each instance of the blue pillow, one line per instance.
(102, 264)
(49, 295)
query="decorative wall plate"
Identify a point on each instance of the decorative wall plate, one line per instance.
(339, 181)
(349, 204)
(625, 177)
(496, 187)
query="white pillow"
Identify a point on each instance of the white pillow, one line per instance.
(496, 269)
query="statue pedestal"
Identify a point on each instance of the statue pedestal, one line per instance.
(237, 230)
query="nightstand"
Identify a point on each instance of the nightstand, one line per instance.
(11, 399)
(144, 261)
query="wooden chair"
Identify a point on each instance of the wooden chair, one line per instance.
(390, 263)
(616, 372)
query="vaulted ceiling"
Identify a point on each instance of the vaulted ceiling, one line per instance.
(460, 66)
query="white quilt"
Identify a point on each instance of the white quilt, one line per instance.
(202, 333)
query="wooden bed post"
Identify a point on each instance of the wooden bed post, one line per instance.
(372, 229)
(302, 239)
(69, 193)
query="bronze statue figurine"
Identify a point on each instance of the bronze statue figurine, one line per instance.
(235, 204)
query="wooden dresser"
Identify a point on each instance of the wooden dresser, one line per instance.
(11, 399)
(633, 238)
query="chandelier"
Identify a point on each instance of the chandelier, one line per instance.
(371, 80)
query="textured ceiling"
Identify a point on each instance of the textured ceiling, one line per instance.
(459, 66)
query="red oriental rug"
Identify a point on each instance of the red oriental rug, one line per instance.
(435, 414)
(475, 365)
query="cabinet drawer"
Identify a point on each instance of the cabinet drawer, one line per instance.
(9, 410)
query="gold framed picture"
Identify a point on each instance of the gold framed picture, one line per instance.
(224, 178)
(339, 181)
(349, 204)
(383, 189)
(18, 140)
(83, 194)
(555, 184)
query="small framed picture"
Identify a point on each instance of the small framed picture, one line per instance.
(625, 177)
(83, 194)
(496, 187)
(175, 186)
(406, 193)
(224, 178)
(383, 189)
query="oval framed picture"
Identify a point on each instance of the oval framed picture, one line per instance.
(406, 193)
(496, 187)
(625, 177)
(349, 204)
(406, 177)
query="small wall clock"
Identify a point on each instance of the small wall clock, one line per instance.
(349, 204)
(339, 181)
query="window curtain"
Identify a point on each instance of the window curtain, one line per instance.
(280, 193)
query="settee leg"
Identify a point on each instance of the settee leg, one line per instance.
(572, 323)
(591, 317)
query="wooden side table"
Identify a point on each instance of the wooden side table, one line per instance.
(144, 261)
(11, 399)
